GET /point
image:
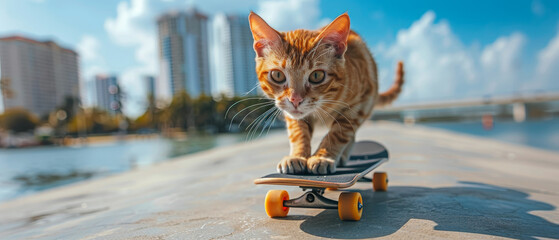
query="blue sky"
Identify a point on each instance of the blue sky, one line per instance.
(451, 50)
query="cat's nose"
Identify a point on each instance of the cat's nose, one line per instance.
(295, 99)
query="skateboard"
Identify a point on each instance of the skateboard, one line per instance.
(364, 158)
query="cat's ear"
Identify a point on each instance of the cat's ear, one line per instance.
(336, 34)
(264, 35)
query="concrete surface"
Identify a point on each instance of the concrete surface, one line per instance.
(443, 185)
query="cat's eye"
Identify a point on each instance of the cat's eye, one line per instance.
(277, 76)
(317, 76)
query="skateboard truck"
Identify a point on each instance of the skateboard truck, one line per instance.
(312, 199)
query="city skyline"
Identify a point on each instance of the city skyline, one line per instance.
(183, 35)
(471, 49)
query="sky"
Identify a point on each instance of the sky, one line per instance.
(451, 49)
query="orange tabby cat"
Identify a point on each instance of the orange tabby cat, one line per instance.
(326, 76)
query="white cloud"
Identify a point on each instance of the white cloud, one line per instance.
(548, 60)
(285, 15)
(134, 26)
(440, 67)
(501, 63)
(435, 60)
(88, 47)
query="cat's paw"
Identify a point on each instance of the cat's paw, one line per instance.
(321, 165)
(292, 165)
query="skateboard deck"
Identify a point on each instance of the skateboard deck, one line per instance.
(365, 157)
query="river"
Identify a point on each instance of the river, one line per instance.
(25, 171)
(542, 133)
(28, 170)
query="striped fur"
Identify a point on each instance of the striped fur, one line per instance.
(342, 102)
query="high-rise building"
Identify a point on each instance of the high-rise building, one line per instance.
(183, 54)
(107, 93)
(235, 73)
(37, 75)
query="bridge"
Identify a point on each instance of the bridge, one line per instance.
(518, 102)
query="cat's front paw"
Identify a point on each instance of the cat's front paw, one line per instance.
(292, 165)
(321, 165)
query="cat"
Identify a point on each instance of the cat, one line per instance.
(327, 76)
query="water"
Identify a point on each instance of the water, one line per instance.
(536, 133)
(25, 171)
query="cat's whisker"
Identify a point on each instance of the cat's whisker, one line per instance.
(334, 109)
(251, 125)
(261, 105)
(258, 120)
(242, 100)
(277, 112)
(329, 141)
(313, 51)
(333, 118)
(263, 122)
(242, 120)
(343, 85)
(343, 104)
(316, 46)
(324, 122)
(252, 89)
(319, 115)
(338, 105)
(341, 114)
(322, 54)
(337, 120)
(334, 101)
(272, 118)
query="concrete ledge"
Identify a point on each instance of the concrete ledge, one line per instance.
(442, 185)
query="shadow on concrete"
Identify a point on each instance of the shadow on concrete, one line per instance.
(473, 208)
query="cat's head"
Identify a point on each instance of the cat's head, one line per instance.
(298, 69)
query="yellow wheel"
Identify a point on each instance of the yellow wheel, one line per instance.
(274, 203)
(332, 188)
(380, 181)
(350, 206)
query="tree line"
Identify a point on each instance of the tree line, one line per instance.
(183, 113)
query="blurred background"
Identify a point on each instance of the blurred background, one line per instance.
(93, 88)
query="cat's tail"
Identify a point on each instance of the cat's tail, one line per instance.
(391, 94)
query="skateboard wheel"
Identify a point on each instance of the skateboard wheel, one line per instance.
(350, 206)
(274, 203)
(380, 181)
(332, 188)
